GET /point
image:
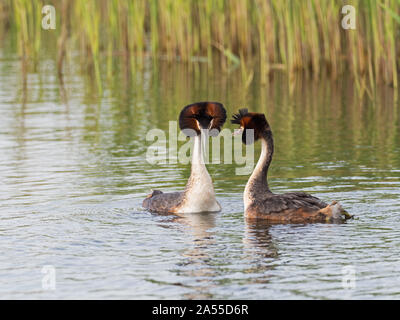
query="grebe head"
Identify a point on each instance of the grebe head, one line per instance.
(202, 115)
(250, 121)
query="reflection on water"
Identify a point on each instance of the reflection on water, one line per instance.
(198, 256)
(73, 176)
(258, 238)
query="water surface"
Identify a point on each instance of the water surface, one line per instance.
(73, 174)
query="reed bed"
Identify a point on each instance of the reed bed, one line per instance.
(259, 35)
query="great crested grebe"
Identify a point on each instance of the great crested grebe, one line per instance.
(198, 196)
(259, 201)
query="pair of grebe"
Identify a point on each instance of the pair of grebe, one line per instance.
(259, 201)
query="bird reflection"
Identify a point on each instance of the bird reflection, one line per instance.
(197, 266)
(257, 236)
(204, 265)
(260, 249)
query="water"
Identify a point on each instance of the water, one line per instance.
(73, 174)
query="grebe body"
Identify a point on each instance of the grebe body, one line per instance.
(259, 201)
(199, 194)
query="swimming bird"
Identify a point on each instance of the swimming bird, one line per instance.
(259, 201)
(197, 120)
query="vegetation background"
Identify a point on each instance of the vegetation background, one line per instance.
(264, 35)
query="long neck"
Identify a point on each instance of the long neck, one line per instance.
(197, 156)
(258, 183)
(199, 176)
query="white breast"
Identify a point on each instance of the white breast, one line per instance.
(199, 193)
(200, 196)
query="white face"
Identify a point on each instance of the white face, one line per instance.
(213, 132)
(198, 125)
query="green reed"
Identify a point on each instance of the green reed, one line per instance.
(261, 35)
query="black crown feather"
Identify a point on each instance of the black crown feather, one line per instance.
(211, 115)
(237, 117)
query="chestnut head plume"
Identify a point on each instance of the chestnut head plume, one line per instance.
(253, 121)
(202, 115)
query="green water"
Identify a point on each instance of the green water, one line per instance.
(73, 174)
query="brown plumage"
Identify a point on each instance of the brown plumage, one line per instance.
(260, 202)
(251, 121)
(202, 115)
(161, 202)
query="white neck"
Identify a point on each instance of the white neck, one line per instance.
(199, 190)
(197, 156)
(199, 173)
